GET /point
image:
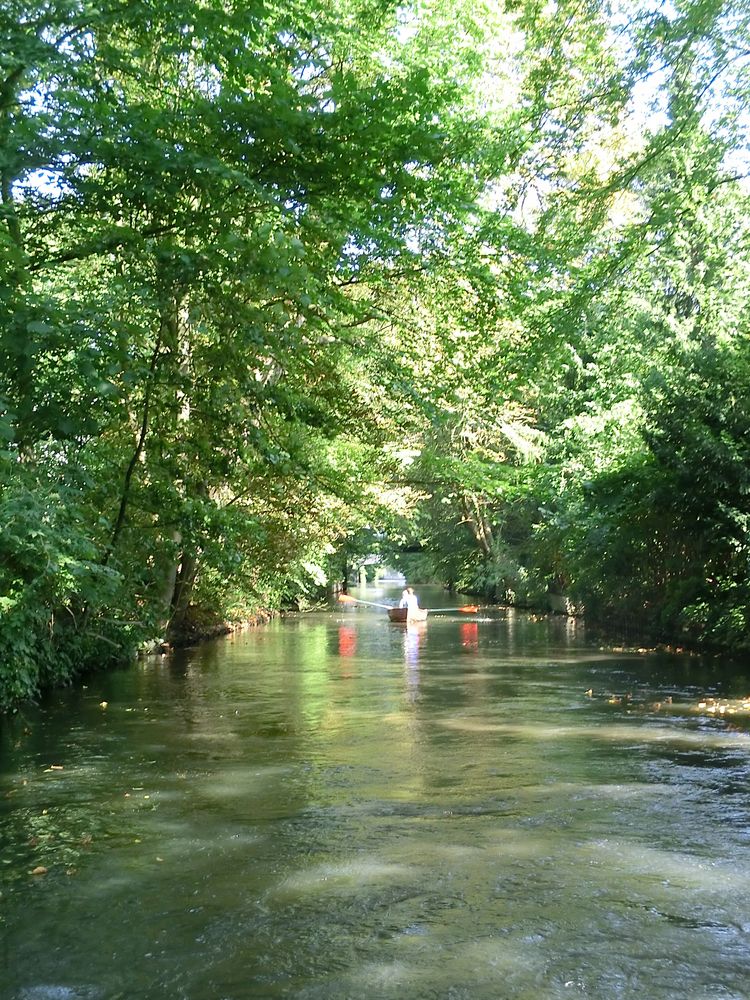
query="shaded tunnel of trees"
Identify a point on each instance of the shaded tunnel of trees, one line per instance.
(280, 276)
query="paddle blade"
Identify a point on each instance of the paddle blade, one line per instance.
(345, 599)
(470, 609)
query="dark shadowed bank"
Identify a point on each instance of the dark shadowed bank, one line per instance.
(200, 625)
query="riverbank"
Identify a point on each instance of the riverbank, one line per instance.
(200, 625)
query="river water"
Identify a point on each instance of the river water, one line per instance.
(331, 806)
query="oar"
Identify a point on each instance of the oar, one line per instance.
(468, 609)
(353, 600)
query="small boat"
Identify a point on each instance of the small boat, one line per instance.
(404, 615)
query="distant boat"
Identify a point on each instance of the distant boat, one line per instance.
(404, 615)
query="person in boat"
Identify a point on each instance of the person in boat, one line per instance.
(409, 600)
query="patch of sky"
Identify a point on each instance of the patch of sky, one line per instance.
(46, 182)
(75, 45)
(354, 250)
(722, 103)
(295, 208)
(312, 66)
(405, 30)
(407, 24)
(647, 111)
(647, 108)
(726, 99)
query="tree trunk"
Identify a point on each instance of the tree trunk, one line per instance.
(170, 584)
(183, 591)
(479, 524)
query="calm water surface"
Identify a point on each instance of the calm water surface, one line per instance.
(331, 806)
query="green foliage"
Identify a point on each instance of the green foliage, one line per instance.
(198, 208)
(644, 513)
(282, 285)
(613, 340)
(56, 599)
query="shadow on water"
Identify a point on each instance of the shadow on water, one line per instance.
(333, 806)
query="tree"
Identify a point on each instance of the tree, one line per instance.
(199, 207)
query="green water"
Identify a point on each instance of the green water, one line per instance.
(331, 806)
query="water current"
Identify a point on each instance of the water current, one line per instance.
(332, 806)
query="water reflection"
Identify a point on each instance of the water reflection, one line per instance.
(347, 641)
(470, 636)
(414, 635)
(332, 806)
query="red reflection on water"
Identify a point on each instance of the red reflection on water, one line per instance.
(470, 635)
(347, 641)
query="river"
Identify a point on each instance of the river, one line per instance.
(332, 806)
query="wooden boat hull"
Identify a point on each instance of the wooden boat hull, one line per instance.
(404, 615)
